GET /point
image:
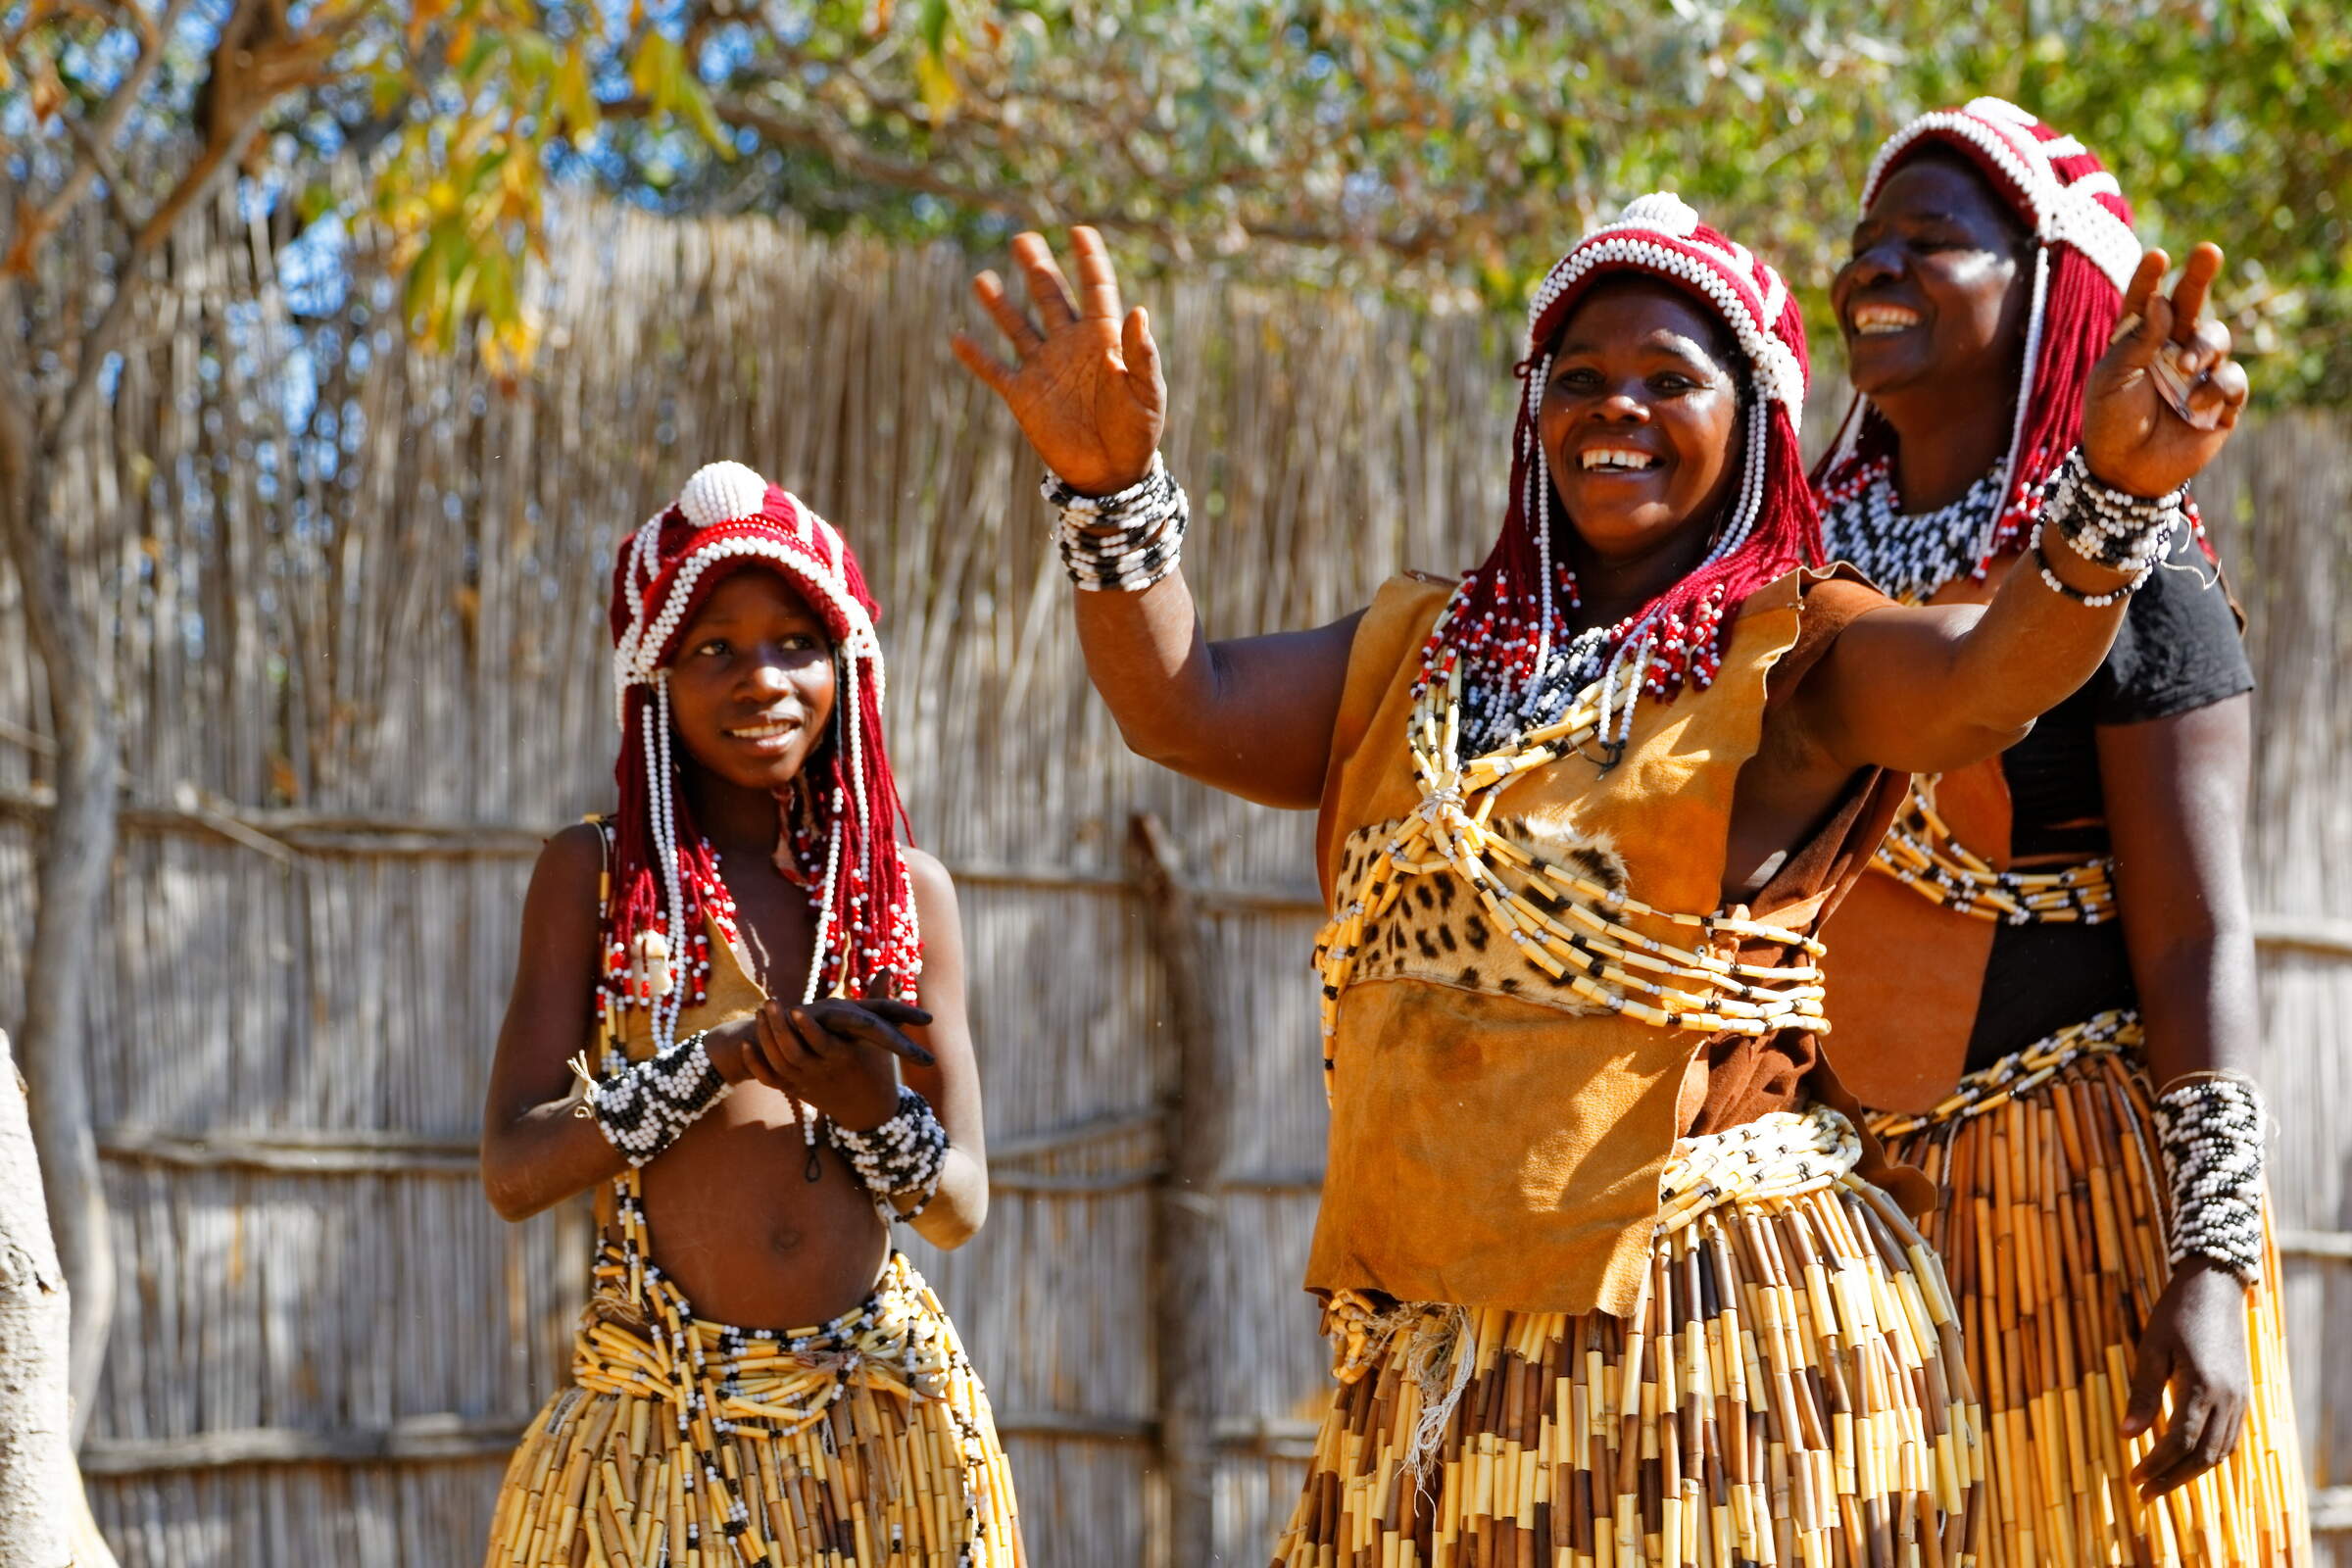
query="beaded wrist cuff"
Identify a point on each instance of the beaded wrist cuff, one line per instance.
(1125, 542)
(907, 1154)
(642, 1108)
(2110, 527)
(2209, 1128)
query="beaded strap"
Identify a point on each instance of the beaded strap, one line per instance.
(642, 1108)
(908, 1154)
(1779, 1155)
(2021, 1072)
(2209, 1127)
(1920, 852)
(1125, 542)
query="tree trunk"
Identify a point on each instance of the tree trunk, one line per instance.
(44, 1522)
(75, 850)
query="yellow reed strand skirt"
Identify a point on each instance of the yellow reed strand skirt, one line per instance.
(2051, 1231)
(1790, 1390)
(867, 1440)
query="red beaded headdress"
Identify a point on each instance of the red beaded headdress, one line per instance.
(1771, 526)
(839, 820)
(2084, 254)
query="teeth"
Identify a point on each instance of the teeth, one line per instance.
(1873, 321)
(760, 732)
(1614, 457)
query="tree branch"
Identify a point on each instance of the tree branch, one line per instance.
(284, 67)
(35, 222)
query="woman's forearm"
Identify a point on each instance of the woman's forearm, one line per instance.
(1252, 717)
(2031, 647)
(1151, 664)
(546, 1153)
(960, 1207)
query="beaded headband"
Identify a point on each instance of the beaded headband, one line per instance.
(2057, 185)
(1660, 233)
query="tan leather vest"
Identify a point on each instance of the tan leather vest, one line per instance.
(1494, 1139)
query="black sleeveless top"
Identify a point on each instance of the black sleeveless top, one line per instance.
(2179, 651)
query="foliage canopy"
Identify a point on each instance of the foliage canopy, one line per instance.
(1424, 146)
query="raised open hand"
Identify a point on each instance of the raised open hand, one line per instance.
(1086, 385)
(2135, 436)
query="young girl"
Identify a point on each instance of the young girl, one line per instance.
(2055, 960)
(1609, 1274)
(711, 1016)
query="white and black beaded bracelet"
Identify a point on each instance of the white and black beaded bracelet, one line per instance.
(2112, 527)
(1120, 543)
(643, 1107)
(2209, 1128)
(908, 1154)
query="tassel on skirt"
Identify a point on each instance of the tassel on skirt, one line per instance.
(867, 1440)
(2052, 1234)
(1789, 1390)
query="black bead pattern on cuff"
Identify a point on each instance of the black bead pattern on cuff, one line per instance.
(2209, 1129)
(2110, 527)
(642, 1108)
(908, 1154)
(1120, 543)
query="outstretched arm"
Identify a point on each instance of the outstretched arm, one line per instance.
(1928, 689)
(1252, 717)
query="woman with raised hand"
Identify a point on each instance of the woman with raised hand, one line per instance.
(1610, 1273)
(2047, 990)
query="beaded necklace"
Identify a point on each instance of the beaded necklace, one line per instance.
(1562, 920)
(1910, 555)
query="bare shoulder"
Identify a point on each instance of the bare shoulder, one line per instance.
(565, 897)
(927, 875)
(572, 858)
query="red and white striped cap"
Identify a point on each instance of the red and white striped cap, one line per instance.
(2053, 180)
(1660, 234)
(730, 517)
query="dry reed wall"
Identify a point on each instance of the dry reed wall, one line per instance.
(356, 689)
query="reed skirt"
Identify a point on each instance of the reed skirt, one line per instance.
(2052, 1235)
(685, 1444)
(1790, 1390)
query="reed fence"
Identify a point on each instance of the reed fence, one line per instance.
(356, 603)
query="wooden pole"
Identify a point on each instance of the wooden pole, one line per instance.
(1187, 1316)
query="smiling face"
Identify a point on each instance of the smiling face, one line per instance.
(1933, 302)
(1640, 417)
(751, 688)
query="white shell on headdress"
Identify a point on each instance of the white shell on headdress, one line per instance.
(721, 492)
(1663, 211)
